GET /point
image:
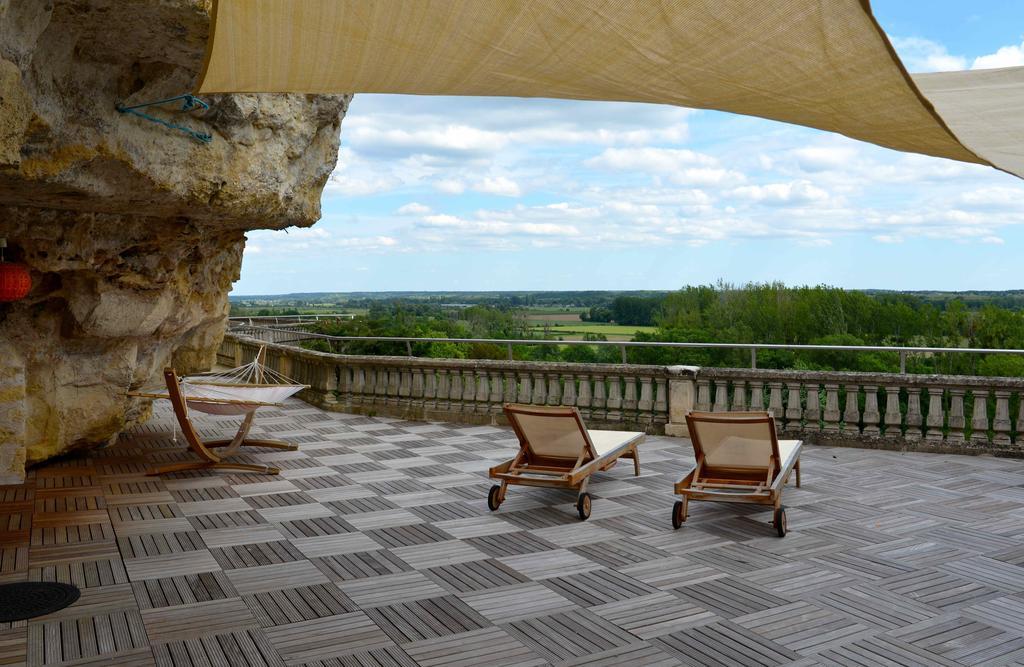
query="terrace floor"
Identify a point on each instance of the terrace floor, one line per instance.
(375, 547)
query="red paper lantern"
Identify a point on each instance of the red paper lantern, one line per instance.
(15, 281)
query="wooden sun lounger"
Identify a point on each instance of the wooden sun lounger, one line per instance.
(209, 458)
(739, 460)
(556, 450)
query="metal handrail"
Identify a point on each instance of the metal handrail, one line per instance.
(903, 351)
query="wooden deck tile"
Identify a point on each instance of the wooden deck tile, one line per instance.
(374, 547)
(491, 646)
(325, 638)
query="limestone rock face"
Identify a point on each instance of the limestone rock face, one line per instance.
(133, 232)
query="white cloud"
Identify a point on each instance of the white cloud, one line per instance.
(498, 185)
(924, 55)
(1007, 56)
(414, 208)
(797, 192)
(992, 240)
(822, 158)
(651, 159)
(451, 186)
(888, 238)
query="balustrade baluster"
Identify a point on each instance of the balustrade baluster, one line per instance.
(703, 403)
(661, 401)
(416, 392)
(455, 390)
(956, 416)
(812, 410)
(393, 383)
(739, 395)
(498, 381)
(444, 389)
(614, 403)
(568, 389)
(721, 396)
(380, 386)
(793, 410)
(483, 391)
(525, 389)
(358, 385)
(344, 383)
(893, 418)
(936, 416)
(831, 414)
(1001, 422)
(539, 389)
(429, 388)
(584, 396)
(851, 413)
(599, 404)
(775, 402)
(914, 417)
(468, 391)
(629, 401)
(979, 420)
(510, 392)
(645, 405)
(405, 387)
(554, 389)
(872, 415)
(756, 395)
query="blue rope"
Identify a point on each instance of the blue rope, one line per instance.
(189, 102)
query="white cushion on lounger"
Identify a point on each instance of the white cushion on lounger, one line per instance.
(606, 442)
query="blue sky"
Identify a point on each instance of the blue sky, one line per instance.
(442, 193)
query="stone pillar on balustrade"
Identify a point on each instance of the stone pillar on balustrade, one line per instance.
(681, 398)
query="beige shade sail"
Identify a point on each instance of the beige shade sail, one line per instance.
(824, 64)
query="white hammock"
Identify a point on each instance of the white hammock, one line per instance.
(238, 391)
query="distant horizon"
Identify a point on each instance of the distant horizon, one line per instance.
(615, 291)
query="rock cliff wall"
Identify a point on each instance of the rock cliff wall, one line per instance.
(133, 233)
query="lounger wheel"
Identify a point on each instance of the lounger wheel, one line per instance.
(494, 497)
(780, 521)
(583, 506)
(677, 515)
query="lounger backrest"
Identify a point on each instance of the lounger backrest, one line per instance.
(734, 440)
(551, 432)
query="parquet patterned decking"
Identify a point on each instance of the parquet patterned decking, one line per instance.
(375, 547)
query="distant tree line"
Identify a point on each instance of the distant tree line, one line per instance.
(752, 313)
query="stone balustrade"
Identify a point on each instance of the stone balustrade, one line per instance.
(920, 412)
(886, 410)
(628, 397)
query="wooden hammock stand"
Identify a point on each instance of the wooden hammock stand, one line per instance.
(203, 449)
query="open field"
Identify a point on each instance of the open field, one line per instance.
(576, 330)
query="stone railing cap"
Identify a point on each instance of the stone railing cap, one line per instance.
(689, 371)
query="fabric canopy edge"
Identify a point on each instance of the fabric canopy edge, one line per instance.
(865, 6)
(925, 102)
(208, 53)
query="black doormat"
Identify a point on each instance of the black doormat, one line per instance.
(29, 599)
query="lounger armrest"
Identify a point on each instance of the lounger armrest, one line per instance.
(686, 481)
(786, 467)
(590, 467)
(501, 468)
